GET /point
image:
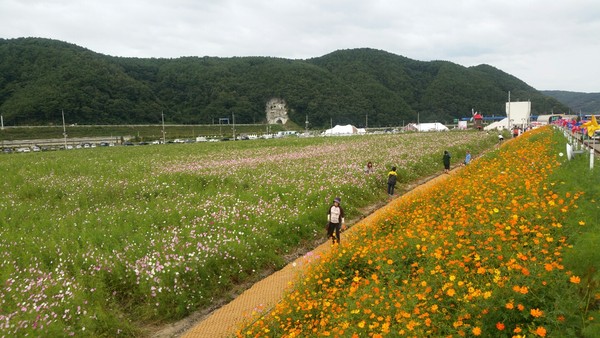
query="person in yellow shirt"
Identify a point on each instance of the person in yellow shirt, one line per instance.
(391, 182)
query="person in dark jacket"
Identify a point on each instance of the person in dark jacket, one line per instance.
(391, 181)
(446, 160)
(335, 220)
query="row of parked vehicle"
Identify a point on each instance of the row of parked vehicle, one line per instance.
(37, 148)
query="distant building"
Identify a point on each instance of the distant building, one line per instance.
(478, 121)
(276, 110)
(517, 115)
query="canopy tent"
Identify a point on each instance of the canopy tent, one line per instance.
(436, 126)
(342, 130)
(498, 125)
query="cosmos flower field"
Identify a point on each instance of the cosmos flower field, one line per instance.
(504, 248)
(98, 242)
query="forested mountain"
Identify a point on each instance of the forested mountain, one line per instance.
(578, 102)
(40, 77)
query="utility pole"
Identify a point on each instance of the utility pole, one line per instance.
(306, 126)
(162, 113)
(508, 111)
(64, 128)
(233, 117)
(366, 121)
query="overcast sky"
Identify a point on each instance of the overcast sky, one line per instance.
(549, 44)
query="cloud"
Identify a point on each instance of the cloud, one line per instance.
(549, 45)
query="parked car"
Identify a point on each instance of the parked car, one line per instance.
(23, 150)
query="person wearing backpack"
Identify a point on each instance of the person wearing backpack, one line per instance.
(391, 182)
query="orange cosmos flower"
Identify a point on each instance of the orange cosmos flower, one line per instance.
(540, 331)
(500, 326)
(536, 313)
(575, 279)
(520, 289)
(476, 331)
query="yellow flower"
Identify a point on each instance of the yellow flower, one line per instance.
(476, 331)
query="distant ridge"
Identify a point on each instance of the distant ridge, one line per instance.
(41, 77)
(578, 102)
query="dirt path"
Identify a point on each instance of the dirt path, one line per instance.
(224, 320)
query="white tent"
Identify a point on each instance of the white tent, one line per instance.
(502, 124)
(427, 127)
(341, 130)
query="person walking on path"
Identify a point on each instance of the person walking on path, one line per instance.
(335, 220)
(467, 158)
(446, 160)
(391, 181)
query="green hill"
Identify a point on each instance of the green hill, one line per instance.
(41, 77)
(578, 102)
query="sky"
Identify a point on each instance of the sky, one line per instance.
(550, 45)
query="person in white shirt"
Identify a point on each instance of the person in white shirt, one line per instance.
(335, 221)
